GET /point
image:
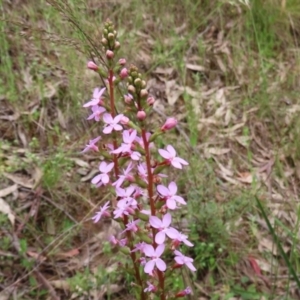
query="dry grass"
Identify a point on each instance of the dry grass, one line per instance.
(228, 71)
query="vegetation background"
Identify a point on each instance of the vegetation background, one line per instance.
(229, 70)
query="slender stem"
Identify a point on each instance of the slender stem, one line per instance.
(113, 113)
(116, 170)
(152, 205)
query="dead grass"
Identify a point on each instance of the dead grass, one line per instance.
(231, 76)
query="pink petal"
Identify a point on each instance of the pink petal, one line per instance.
(118, 127)
(149, 250)
(179, 260)
(107, 129)
(171, 203)
(160, 237)
(149, 266)
(179, 199)
(161, 265)
(155, 222)
(105, 178)
(173, 188)
(175, 164)
(191, 266)
(107, 118)
(167, 219)
(102, 167)
(172, 233)
(96, 179)
(164, 191)
(118, 118)
(171, 150)
(95, 140)
(181, 161)
(159, 250)
(109, 167)
(126, 136)
(165, 154)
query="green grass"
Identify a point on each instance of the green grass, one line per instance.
(253, 53)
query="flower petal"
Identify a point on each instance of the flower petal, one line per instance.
(149, 266)
(167, 219)
(155, 222)
(165, 154)
(164, 191)
(160, 237)
(171, 150)
(159, 250)
(161, 265)
(149, 250)
(96, 179)
(171, 203)
(172, 188)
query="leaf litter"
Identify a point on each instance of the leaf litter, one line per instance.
(229, 128)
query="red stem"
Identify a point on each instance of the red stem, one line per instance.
(152, 206)
(116, 170)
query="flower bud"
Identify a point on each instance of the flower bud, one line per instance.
(138, 82)
(117, 45)
(144, 93)
(124, 120)
(141, 115)
(131, 89)
(143, 83)
(104, 41)
(128, 98)
(169, 124)
(124, 73)
(109, 54)
(92, 66)
(150, 101)
(122, 61)
(110, 36)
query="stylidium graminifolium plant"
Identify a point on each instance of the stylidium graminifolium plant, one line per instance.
(142, 204)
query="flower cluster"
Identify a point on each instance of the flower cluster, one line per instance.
(143, 199)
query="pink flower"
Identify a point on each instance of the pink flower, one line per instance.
(182, 238)
(91, 145)
(186, 291)
(150, 287)
(114, 241)
(155, 258)
(97, 94)
(184, 260)
(139, 247)
(142, 171)
(126, 147)
(127, 204)
(169, 124)
(125, 176)
(170, 195)
(101, 212)
(97, 112)
(131, 226)
(103, 178)
(163, 227)
(170, 156)
(112, 123)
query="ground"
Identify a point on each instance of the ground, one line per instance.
(227, 70)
